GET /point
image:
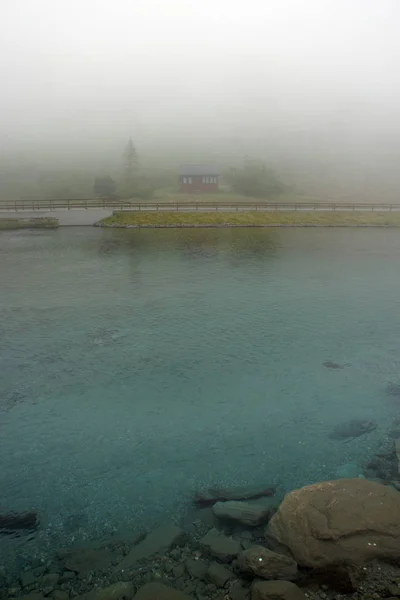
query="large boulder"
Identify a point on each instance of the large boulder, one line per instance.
(348, 521)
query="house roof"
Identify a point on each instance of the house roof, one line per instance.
(198, 170)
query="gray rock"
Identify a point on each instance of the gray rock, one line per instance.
(83, 560)
(393, 589)
(159, 591)
(50, 580)
(242, 512)
(219, 575)
(261, 562)
(60, 595)
(346, 522)
(238, 592)
(178, 571)
(67, 576)
(276, 590)
(27, 578)
(160, 540)
(117, 591)
(209, 497)
(196, 568)
(352, 429)
(220, 546)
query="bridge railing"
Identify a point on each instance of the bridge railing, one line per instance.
(50, 204)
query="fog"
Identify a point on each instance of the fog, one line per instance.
(311, 86)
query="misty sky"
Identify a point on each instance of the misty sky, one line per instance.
(102, 69)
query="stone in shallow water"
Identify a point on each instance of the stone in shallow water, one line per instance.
(220, 546)
(18, 521)
(159, 591)
(219, 575)
(83, 560)
(332, 365)
(393, 389)
(276, 590)
(352, 429)
(261, 562)
(121, 590)
(242, 512)
(157, 541)
(196, 568)
(348, 521)
(211, 496)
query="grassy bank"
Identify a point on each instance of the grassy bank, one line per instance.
(31, 223)
(261, 219)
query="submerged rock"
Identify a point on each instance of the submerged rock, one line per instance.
(18, 521)
(393, 389)
(220, 546)
(242, 512)
(261, 562)
(348, 521)
(211, 496)
(397, 451)
(352, 429)
(332, 365)
(219, 575)
(196, 568)
(276, 590)
(117, 591)
(157, 541)
(159, 591)
(83, 560)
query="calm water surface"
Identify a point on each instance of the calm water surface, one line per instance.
(137, 367)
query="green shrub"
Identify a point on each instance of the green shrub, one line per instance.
(255, 179)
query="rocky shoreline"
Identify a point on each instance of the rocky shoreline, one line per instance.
(332, 540)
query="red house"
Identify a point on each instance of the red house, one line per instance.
(198, 178)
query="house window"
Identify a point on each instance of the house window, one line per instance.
(189, 180)
(185, 180)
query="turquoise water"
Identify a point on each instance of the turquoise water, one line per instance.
(138, 366)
